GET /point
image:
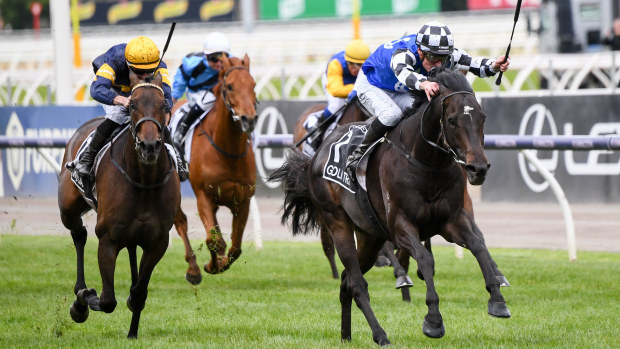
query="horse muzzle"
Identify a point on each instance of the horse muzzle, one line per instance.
(477, 172)
(247, 123)
(149, 150)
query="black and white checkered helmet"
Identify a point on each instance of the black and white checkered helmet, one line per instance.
(436, 38)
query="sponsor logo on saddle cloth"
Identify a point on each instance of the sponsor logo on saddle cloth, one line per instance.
(117, 133)
(335, 166)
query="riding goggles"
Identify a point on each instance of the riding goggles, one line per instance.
(216, 56)
(141, 71)
(435, 58)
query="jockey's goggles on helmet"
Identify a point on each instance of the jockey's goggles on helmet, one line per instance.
(216, 56)
(141, 71)
(435, 58)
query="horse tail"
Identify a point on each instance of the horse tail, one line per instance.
(297, 207)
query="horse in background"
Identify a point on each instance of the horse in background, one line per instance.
(138, 195)
(222, 169)
(429, 151)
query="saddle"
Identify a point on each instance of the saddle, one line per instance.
(335, 171)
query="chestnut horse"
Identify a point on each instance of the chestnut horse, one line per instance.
(428, 151)
(222, 169)
(138, 194)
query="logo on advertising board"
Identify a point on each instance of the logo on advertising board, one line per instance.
(538, 121)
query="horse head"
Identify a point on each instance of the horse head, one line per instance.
(462, 125)
(237, 86)
(147, 109)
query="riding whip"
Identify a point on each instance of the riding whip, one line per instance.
(327, 119)
(517, 10)
(167, 42)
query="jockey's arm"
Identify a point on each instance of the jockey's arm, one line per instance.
(335, 84)
(480, 66)
(402, 64)
(179, 84)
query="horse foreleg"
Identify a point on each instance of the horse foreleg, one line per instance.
(192, 275)
(240, 218)
(139, 290)
(408, 240)
(328, 249)
(215, 241)
(463, 229)
(402, 279)
(503, 282)
(106, 255)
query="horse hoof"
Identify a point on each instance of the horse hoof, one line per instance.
(403, 281)
(85, 294)
(499, 309)
(383, 342)
(432, 330)
(193, 279)
(79, 312)
(503, 282)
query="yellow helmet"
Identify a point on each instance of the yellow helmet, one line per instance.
(357, 51)
(142, 53)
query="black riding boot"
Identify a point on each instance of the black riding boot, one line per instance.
(375, 131)
(181, 166)
(183, 126)
(315, 140)
(81, 173)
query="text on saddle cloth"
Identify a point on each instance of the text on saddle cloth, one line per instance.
(335, 166)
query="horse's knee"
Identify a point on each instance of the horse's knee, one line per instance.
(79, 235)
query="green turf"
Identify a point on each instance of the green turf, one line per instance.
(284, 297)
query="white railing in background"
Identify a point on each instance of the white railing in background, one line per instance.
(288, 58)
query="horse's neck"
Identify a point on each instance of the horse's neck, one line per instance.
(224, 129)
(421, 150)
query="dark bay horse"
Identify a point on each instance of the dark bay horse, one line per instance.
(222, 169)
(138, 194)
(353, 111)
(427, 151)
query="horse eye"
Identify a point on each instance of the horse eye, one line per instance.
(229, 87)
(132, 106)
(452, 121)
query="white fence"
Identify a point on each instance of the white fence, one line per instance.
(288, 58)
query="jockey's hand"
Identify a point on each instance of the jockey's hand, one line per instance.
(500, 65)
(121, 100)
(430, 88)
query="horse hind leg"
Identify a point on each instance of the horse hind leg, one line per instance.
(328, 248)
(193, 275)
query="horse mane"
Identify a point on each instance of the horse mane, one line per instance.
(449, 79)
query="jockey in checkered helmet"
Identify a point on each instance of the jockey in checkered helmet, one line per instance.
(401, 66)
(435, 38)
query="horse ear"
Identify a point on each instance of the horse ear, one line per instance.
(246, 61)
(133, 78)
(158, 78)
(225, 63)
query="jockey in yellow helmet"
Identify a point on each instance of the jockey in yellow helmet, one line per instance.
(338, 81)
(111, 87)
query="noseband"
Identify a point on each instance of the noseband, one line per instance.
(448, 150)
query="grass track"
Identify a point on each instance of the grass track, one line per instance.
(283, 297)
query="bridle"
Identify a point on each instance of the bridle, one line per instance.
(442, 135)
(133, 128)
(225, 94)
